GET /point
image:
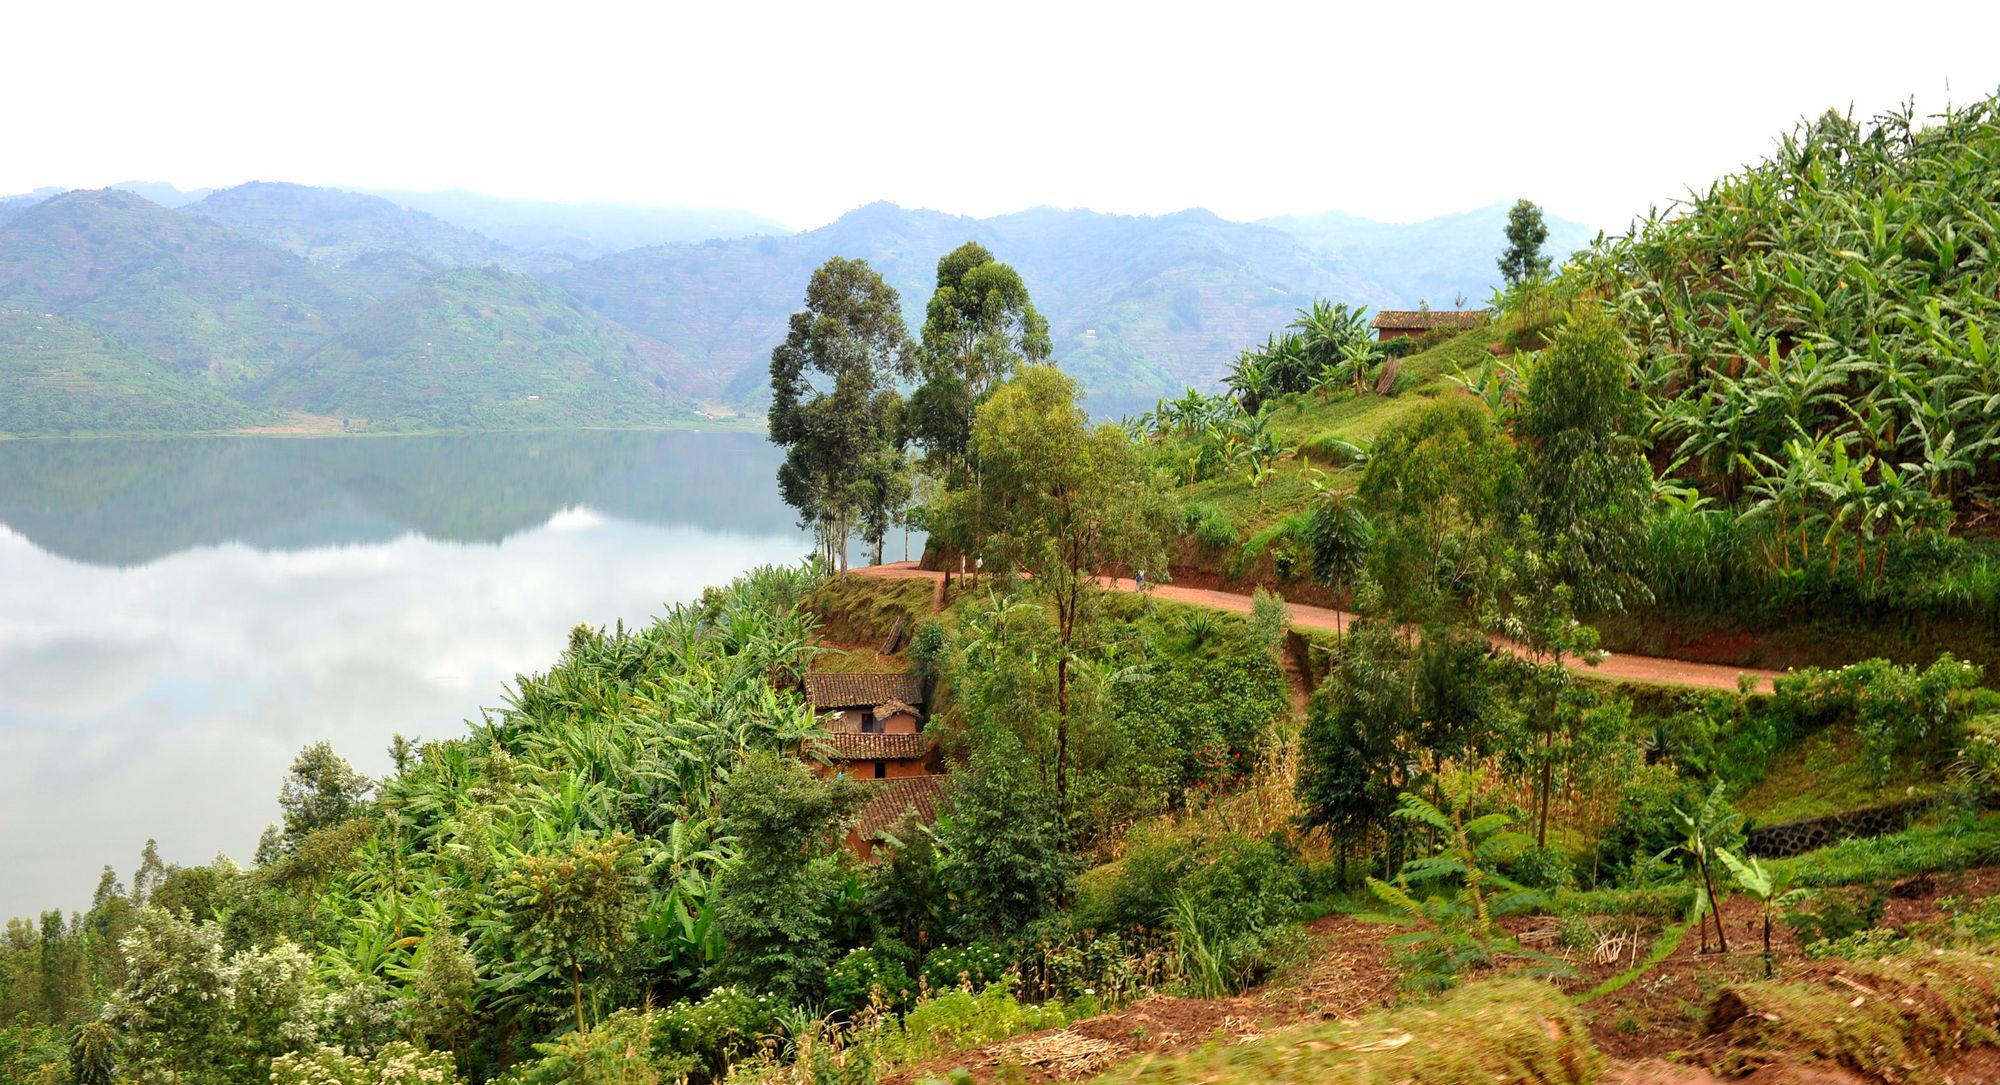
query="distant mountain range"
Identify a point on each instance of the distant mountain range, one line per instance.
(257, 304)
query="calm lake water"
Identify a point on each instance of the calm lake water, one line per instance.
(179, 617)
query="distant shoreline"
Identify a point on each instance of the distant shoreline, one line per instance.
(736, 425)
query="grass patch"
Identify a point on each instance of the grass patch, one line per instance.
(1664, 901)
(1825, 773)
(1898, 1019)
(1505, 1030)
(1949, 842)
(1312, 426)
(861, 610)
(864, 660)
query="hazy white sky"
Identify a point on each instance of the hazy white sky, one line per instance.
(802, 111)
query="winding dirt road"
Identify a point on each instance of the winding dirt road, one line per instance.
(1617, 666)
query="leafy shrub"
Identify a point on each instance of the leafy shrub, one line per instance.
(999, 828)
(1210, 526)
(927, 648)
(1835, 914)
(1542, 868)
(1153, 867)
(867, 977)
(956, 1019)
(627, 1046)
(1644, 824)
(1064, 961)
(1868, 944)
(397, 1064)
(1400, 346)
(976, 965)
(717, 1031)
(1249, 886)
(1270, 620)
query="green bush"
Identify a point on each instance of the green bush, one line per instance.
(1542, 868)
(1211, 527)
(397, 1064)
(1153, 867)
(1835, 915)
(976, 965)
(1248, 886)
(717, 1031)
(1644, 824)
(957, 1019)
(867, 977)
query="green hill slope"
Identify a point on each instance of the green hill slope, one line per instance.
(65, 377)
(483, 348)
(335, 229)
(202, 300)
(1138, 306)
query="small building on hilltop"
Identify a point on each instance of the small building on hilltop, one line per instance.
(875, 725)
(1410, 323)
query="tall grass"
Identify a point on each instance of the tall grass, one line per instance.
(1203, 951)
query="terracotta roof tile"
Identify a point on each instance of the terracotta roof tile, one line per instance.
(891, 800)
(861, 746)
(863, 690)
(1432, 318)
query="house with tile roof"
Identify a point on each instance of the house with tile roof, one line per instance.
(875, 725)
(1409, 323)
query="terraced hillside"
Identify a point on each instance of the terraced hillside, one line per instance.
(66, 377)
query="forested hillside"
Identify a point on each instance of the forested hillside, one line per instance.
(481, 348)
(582, 231)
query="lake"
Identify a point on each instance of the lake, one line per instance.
(179, 617)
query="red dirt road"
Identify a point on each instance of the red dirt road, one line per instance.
(1617, 666)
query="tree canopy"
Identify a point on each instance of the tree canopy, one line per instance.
(833, 406)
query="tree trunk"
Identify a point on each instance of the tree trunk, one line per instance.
(1714, 906)
(1767, 937)
(1062, 742)
(1548, 775)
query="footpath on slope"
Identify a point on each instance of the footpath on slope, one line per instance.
(1617, 666)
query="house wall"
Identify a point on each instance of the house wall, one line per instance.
(1383, 335)
(895, 768)
(849, 722)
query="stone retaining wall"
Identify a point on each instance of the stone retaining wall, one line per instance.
(1793, 837)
